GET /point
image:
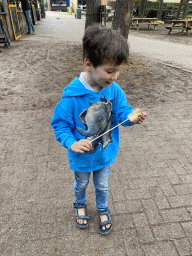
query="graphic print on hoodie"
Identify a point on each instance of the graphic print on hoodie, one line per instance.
(97, 120)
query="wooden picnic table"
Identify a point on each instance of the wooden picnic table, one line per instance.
(184, 25)
(144, 21)
(169, 17)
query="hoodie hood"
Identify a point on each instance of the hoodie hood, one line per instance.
(76, 88)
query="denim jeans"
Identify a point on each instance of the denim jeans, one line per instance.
(100, 180)
(29, 21)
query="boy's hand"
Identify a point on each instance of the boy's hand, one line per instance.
(140, 118)
(81, 146)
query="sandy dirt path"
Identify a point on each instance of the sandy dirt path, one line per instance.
(61, 26)
(176, 54)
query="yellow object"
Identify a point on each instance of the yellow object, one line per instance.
(70, 10)
(103, 2)
(160, 21)
(133, 116)
(14, 21)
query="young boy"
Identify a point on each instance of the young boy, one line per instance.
(91, 105)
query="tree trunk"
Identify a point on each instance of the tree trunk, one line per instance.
(42, 6)
(92, 12)
(123, 16)
(185, 9)
(179, 10)
(160, 9)
(142, 8)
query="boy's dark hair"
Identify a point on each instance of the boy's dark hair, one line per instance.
(102, 44)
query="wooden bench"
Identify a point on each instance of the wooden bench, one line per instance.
(178, 27)
(145, 23)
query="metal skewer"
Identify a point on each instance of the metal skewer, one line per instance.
(132, 117)
(109, 130)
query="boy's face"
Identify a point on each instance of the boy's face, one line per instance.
(103, 75)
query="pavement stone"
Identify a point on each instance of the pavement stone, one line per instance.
(183, 246)
(150, 190)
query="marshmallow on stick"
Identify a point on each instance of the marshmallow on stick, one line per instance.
(131, 117)
(134, 115)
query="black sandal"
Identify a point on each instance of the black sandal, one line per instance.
(104, 223)
(81, 217)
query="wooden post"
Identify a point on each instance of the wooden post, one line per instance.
(185, 9)
(32, 15)
(179, 10)
(160, 9)
(142, 8)
(8, 20)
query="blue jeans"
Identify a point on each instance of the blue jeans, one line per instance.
(100, 180)
(29, 21)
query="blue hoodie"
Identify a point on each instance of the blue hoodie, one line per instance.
(83, 113)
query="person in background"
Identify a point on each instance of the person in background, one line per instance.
(137, 11)
(27, 12)
(163, 16)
